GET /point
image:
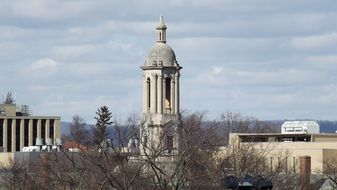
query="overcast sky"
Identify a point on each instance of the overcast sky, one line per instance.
(270, 59)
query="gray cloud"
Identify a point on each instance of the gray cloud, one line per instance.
(270, 59)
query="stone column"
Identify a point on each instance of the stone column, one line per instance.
(57, 130)
(30, 133)
(177, 94)
(22, 134)
(4, 135)
(172, 96)
(153, 94)
(144, 94)
(47, 130)
(305, 172)
(164, 95)
(38, 134)
(13, 135)
(160, 94)
(155, 98)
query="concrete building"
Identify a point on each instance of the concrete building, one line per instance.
(288, 148)
(161, 116)
(18, 129)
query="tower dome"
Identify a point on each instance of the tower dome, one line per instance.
(161, 54)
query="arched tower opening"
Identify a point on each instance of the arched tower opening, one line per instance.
(168, 94)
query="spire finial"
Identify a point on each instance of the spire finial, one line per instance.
(161, 30)
(161, 23)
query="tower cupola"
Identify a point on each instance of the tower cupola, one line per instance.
(161, 31)
(161, 54)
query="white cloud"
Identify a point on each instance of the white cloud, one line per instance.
(328, 95)
(130, 26)
(51, 9)
(87, 107)
(323, 59)
(217, 70)
(42, 68)
(64, 52)
(89, 69)
(223, 48)
(315, 42)
(9, 49)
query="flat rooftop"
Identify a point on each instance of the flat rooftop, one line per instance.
(281, 137)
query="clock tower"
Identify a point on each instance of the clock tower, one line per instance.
(161, 117)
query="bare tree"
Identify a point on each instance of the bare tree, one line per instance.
(331, 172)
(105, 167)
(237, 123)
(248, 158)
(17, 175)
(199, 163)
(193, 166)
(78, 130)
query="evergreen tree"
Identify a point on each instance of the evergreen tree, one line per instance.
(8, 99)
(103, 121)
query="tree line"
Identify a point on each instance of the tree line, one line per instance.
(107, 163)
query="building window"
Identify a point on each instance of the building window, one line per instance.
(169, 132)
(160, 36)
(43, 130)
(169, 144)
(51, 130)
(17, 135)
(9, 135)
(26, 132)
(35, 121)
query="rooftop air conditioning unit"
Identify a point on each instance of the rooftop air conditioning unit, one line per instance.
(23, 110)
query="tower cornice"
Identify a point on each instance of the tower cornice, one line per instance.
(159, 67)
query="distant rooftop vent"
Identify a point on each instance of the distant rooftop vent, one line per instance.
(49, 142)
(39, 144)
(58, 142)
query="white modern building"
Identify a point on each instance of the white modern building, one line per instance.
(301, 127)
